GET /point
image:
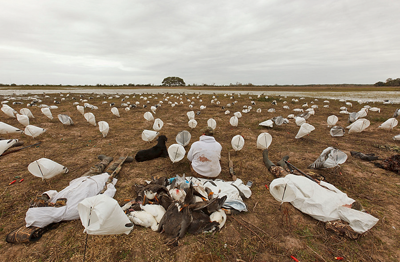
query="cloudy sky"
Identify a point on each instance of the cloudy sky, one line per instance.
(203, 42)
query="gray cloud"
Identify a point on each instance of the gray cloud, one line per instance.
(222, 42)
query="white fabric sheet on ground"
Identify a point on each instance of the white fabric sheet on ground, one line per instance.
(323, 202)
(78, 189)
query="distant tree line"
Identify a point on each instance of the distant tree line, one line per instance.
(389, 82)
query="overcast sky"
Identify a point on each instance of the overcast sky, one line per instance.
(222, 42)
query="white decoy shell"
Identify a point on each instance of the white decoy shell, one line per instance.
(267, 123)
(389, 124)
(65, 119)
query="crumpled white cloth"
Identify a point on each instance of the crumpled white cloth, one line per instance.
(323, 202)
(78, 189)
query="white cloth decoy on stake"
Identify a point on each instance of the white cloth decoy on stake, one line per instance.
(190, 115)
(102, 215)
(192, 123)
(148, 116)
(158, 124)
(23, 119)
(90, 118)
(299, 120)
(264, 140)
(104, 128)
(176, 152)
(8, 110)
(237, 142)
(65, 119)
(149, 135)
(115, 111)
(389, 124)
(237, 114)
(359, 125)
(183, 138)
(332, 120)
(46, 168)
(267, 123)
(27, 112)
(33, 131)
(212, 123)
(81, 109)
(304, 130)
(234, 121)
(46, 111)
(6, 144)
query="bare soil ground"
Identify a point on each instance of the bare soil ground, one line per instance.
(268, 232)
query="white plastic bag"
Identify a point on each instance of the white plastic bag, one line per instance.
(46, 168)
(267, 123)
(359, 125)
(81, 109)
(330, 157)
(8, 110)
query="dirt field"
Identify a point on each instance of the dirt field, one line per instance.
(268, 232)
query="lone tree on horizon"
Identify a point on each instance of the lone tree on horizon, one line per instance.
(173, 81)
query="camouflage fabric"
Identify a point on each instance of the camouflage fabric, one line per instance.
(392, 164)
(278, 171)
(341, 229)
(25, 234)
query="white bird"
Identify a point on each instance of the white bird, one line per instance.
(178, 194)
(157, 211)
(219, 216)
(144, 219)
